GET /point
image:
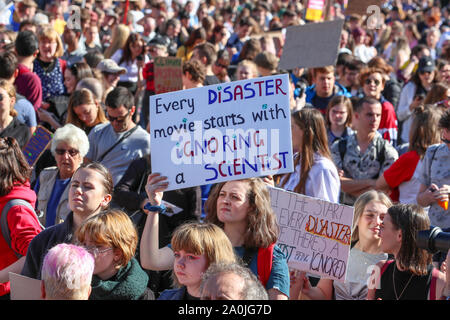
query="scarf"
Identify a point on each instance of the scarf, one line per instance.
(130, 283)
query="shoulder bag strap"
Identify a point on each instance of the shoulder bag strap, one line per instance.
(4, 219)
(126, 135)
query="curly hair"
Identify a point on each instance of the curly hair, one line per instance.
(262, 226)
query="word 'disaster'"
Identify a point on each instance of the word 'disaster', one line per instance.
(315, 234)
(222, 132)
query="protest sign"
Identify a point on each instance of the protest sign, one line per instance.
(222, 132)
(311, 45)
(315, 234)
(314, 10)
(37, 144)
(167, 74)
(360, 6)
(24, 288)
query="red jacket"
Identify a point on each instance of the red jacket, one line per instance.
(23, 226)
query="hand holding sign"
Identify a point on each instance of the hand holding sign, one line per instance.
(155, 187)
(315, 234)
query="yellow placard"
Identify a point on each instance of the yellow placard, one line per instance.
(313, 14)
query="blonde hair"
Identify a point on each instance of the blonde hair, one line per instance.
(118, 39)
(47, 32)
(361, 203)
(11, 91)
(203, 239)
(112, 228)
(262, 227)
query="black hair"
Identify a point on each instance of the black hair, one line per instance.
(119, 96)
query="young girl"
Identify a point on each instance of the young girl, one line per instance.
(242, 209)
(195, 246)
(111, 238)
(84, 110)
(90, 192)
(370, 209)
(410, 276)
(338, 116)
(315, 174)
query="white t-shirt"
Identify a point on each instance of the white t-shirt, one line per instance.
(323, 180)
(132, 69)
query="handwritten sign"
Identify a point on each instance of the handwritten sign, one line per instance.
(37, 144)
(168, 72)
(222, 132)
(315, 234)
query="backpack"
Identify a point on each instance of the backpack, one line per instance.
(264, 261)
(379, 146)
(4, 219)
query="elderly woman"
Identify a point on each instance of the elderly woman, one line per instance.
(69, 146)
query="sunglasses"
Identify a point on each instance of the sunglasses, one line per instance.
(72, 152)
(221, 65)
(118, 119)
(369, 81)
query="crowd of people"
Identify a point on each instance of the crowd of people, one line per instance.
(93, 221)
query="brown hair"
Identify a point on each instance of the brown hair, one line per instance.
(366, 72)
(410, 219)
(79, 97)
(196, 69)
(315, 139)
(11, 91)
(438, 92)
(262, 228)
(334, 102)
(14, 168)
(424, 130)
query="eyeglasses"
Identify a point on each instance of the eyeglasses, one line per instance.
(72, 152)
(118, 119)
(369, 81)
(221, 65)
(96, 251)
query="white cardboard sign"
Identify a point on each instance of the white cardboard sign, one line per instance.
(222, 132)
(315, 234)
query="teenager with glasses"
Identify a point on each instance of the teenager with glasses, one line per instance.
(117, 143)
(111, 238)
(372, 82)
(90, 192)
(69, 146)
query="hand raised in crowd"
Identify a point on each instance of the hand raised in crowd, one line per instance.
(269, 181)
(156, 184)
(299, 284)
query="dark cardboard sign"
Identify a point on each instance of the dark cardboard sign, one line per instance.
(360, 6)
(311, 45)
(37, 144)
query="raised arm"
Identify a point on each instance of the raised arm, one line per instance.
(152, 257)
